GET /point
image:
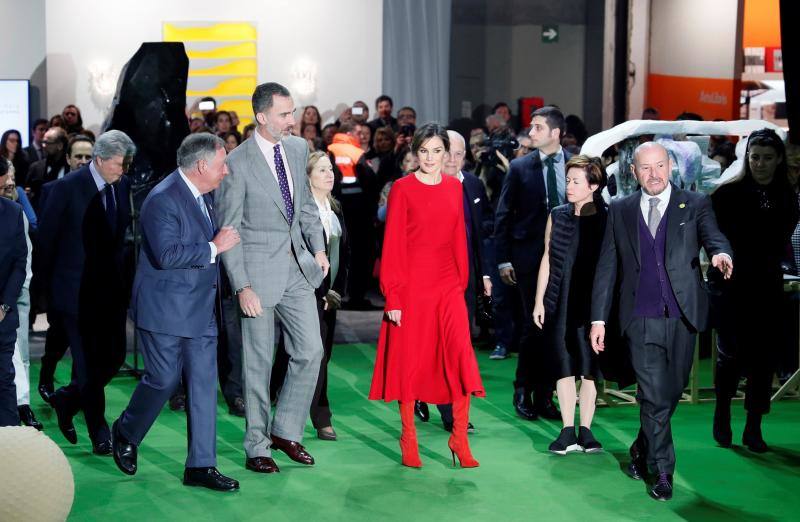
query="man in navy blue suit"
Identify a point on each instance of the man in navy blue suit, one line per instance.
(534, 185)
(175, 304)
(13, 260)
(81, 240)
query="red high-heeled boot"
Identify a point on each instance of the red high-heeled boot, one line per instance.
(408, 437)
(459, 446)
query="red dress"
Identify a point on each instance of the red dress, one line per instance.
(424, 274)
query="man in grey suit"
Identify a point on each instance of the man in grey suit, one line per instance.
(274, 272)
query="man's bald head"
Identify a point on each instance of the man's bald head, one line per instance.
(652, 167)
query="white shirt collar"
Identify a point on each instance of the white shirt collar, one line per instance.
(559, 152)
(196, 193)
(460, 176)
(98, 179)
(663, 197)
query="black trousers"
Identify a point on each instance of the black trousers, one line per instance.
(98, 351)
(320, 411)
(359, 216)
(8, 391)
(531, 365)
(661, 351)
(229, 353)
(55, 346)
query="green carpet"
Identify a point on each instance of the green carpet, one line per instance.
(359, 477)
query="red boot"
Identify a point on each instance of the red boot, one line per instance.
(408, 437)
(459, 446)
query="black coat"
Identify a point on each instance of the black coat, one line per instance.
(81, 259)
(691, 225)
(521, 216)
(13, 262)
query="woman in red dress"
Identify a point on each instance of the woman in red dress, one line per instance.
(424, 349)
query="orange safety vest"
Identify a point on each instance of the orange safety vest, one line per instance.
(346, 152)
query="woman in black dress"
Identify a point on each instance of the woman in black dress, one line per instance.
(757, 212)
(563, 298)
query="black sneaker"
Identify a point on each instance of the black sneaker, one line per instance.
(566, 442)
(587, 441)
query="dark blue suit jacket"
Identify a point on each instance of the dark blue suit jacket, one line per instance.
(176, 285)
(80, 255)
(13, 261)
(480, 225)
(521, 216)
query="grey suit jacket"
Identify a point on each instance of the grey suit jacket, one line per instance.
(249, 199)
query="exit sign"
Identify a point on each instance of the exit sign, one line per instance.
(549, 33)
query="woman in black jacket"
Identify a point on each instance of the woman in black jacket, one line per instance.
(757, 212)
(573, 238)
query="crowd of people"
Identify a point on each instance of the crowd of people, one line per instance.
(490, 232)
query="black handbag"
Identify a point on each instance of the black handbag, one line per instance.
(484, 311)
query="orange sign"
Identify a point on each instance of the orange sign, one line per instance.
(709, 97)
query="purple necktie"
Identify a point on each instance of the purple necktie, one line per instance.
(283, 182)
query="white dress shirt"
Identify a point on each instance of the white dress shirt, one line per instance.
(268, 150)
(663, 202)
(196, 193)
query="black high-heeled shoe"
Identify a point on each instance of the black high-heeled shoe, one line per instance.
(421, 410)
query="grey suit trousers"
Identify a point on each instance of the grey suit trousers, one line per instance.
(297, 312)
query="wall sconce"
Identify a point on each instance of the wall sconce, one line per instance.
(102, 83)
(304, 78)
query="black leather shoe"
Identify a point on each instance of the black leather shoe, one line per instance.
(722, 426)
(125, 453)
(421, 410)
(547, 410)
(236, 407)
(327, 433)
(754, 441)
(662, 488)
(209, 478)
(523, 405)
(637, 468)
(65, 424)
(102, 447)
(27, 417)
(448, 427)
(46, 392)
(177, 402)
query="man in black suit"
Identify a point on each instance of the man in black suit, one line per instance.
(53, 166)
(13, 262)
(534, 185)
(81, 238)
(653, 240)
(35, 151)
(383, 109)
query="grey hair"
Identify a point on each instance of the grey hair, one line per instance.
(113, 143)
(262, 96)
(456, 136)
(648, 145)
(197, 147)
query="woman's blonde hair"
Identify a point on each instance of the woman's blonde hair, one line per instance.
(313, 158)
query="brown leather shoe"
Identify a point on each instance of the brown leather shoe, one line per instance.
(262, 465)
(294, 450)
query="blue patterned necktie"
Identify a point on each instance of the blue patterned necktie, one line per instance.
(283, 182)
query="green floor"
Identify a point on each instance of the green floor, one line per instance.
(359, 477)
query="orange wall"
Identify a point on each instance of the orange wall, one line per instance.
(762, 25)
(709, 97)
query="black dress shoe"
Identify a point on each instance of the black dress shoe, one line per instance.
(65, 424)
(46, 392)
(209, 478)
(753, 440)
(262, 465)
(236, 407)
(294, 450)
(177, 402)
(125, 453)
(547, 410)
(326, 433)
(637, 468)
(421, 410)
(662, 488)
(27, 417)
(722, 426)
(102, 447)
(523, 406)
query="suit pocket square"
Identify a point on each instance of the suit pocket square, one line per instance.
(476, 200)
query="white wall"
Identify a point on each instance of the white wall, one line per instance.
(80, 33)
(686, 34)
(24, 51)
(638, 56)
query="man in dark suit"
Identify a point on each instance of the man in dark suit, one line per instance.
(53, 166)
(175, 304)
(534, 185)
(81, 247)
(653, 240)
(383, 110)
(13, 263)
(35, 151)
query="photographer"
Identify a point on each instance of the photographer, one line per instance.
(492, 160)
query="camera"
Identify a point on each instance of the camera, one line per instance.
(407, 130)
(503, 142)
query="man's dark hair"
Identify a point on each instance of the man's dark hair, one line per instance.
(383, 98)
(554, 118)
(262, 96)
(218, 113)
(75, 139)
(691, 116)
(500, 104)
(39, 121)
(407, 108)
